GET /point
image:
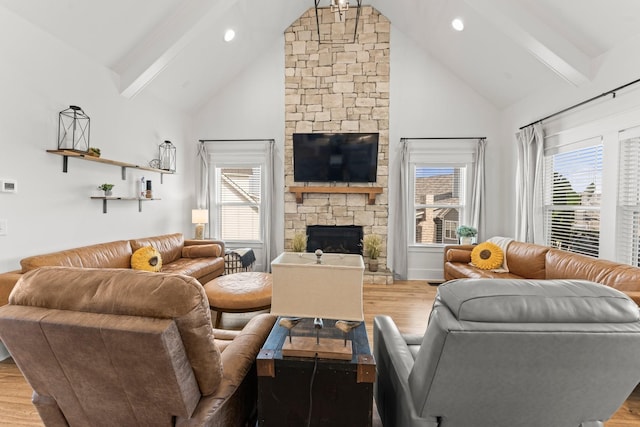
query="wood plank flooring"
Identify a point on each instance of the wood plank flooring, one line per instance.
(408, 303)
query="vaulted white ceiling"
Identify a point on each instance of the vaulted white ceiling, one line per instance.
(175, 49)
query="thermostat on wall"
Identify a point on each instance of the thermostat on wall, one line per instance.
(8, 185)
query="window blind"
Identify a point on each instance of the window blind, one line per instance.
(628, 230)
(572, 195)
(238, 200)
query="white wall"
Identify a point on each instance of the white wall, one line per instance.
(427, 100)
(39, 77)
(252, 107)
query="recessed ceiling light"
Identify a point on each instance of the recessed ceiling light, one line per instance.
(457, 24)
(229, 35)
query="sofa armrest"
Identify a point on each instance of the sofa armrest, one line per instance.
(7, 282)
(191, 242)
(393, 364)
(634, 295)
(240, 355)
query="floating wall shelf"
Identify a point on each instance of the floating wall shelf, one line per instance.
(104, 201)
(371, 191)
(83, 156)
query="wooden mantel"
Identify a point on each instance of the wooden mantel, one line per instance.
(371, 191)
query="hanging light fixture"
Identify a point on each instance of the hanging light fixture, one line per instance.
(340, 7)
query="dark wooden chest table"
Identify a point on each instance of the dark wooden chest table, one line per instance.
(332, 392)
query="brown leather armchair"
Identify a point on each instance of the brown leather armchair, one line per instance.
(105, 347)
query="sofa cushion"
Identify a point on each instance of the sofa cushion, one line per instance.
(132, 293)
(195, 267)
(104, 255)
(536, 301)
(526, 260)
(568, 265)
(169, 245)
(200, 251)
(457, 270)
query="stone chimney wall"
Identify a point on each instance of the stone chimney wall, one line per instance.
(338, 87)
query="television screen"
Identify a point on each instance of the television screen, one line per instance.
(335, 157)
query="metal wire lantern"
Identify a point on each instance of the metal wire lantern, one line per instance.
(168, 156)
(73, 129)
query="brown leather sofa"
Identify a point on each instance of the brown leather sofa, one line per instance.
(117, 254)
(116, 347)
(531, 261)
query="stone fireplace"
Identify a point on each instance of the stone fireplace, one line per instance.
(346, 239)
(338, 87)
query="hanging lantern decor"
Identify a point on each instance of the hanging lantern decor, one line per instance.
(73, 129)
(168, 156)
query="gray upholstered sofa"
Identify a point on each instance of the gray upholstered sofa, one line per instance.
(507, 352)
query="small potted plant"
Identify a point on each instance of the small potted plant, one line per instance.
(106, 188)
(466, 234)
(372, 244)
(299, 242)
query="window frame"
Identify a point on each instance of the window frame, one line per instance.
(238, 154)
(439, 153)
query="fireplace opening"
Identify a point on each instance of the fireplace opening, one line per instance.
(345, 239)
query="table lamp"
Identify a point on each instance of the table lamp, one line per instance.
(330, 289)
(199, 217)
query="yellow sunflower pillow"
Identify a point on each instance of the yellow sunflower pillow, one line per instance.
(487, 256)
(146, 258)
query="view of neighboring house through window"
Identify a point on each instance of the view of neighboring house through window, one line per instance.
(572, 196)
(237, 202)
(439, 203)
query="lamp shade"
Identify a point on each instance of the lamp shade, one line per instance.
(200, 216)
(329, 290)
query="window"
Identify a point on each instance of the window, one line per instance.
(572, 196)
(439, 202)
(238, 201)
(628, 232)
(239, 196)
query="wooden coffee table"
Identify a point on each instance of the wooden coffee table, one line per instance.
(342, 391)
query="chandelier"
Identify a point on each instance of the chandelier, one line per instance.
(340, 7)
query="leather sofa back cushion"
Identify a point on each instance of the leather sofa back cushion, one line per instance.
(132, 293)
(526, 260)
(169, 245)
(565, 265)
(104, 255)
(201, 251)
(536, 301)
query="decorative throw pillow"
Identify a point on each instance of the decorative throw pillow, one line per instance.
(200, 251)
(487, 256)
(146, 258)
(459, 255)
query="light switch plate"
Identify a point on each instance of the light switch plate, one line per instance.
(8, 185)
(3, 227)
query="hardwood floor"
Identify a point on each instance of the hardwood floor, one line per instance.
(408, 303)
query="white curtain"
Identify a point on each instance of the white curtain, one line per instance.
(202, 181)
(270, 247)
(477, 207)
(530, 152)
(400, 225)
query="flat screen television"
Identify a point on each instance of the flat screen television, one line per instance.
(335, 157)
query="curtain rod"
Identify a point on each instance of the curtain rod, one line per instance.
(449, 137)
(580, 104)
(236, 140)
